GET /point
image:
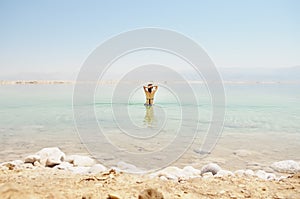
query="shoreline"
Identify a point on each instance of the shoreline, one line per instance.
(50, 173)
(233, 152)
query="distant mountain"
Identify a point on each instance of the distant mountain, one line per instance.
(261, 74)
(228, 74)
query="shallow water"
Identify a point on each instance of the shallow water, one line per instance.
(261, 119)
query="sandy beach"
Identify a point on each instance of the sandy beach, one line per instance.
(48, 183)
(49, 173)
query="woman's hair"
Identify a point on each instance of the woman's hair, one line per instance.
(150, 89)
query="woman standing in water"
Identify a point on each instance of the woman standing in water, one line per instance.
(150, 91)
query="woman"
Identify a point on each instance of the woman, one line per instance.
(150, 90)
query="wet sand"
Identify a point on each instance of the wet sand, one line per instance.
(233, 151)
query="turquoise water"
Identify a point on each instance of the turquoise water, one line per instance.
(261, 118)
(264, 107)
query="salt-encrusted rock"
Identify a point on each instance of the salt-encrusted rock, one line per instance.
(223, 173)
(190, 172)
(242, 153)
(261, 174)
(207, 175)
(171, 173)
(79, 170)
(51, 162)
(63, 166)
(211, 167)
(32, 158)
(271, 176)
(265, 176)
(281, 178)
(51, 156)
(249, 172)
(239, 172)
(286, 166)
(175, 173)
(7, 166)
(97, 168)
(3, 168)
(12, 165)
(123, 166)
(163, 178)
(27, 166)
(37, 164)
(80, 160)
(17, 162)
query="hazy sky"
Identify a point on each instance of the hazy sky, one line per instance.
(57, 36)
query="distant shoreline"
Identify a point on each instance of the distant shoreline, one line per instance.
(13, 82)
(42, 82)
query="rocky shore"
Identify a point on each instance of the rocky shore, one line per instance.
(50, 173)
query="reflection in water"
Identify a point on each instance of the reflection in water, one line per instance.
(149, 116)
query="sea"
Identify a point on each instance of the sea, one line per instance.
(260, 125)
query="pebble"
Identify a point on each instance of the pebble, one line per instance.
(249, 172)
(271, 176)
(17, 162)
(63, 166)
(123, 166)
(190, 172)
(171, 173)
(163, 178)
(211, 167)
(32, 158)
(265, 176)
(28, 166)
(12, 165)
(80, 160)
(261, 174)
(3, 168)
(286, 166)
(207, 175)
(175, 173)
(223, 173)
(51, 156)
(239, 172)
(37, 164)
(54, 157)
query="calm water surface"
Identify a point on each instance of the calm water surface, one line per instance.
(261, 119)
